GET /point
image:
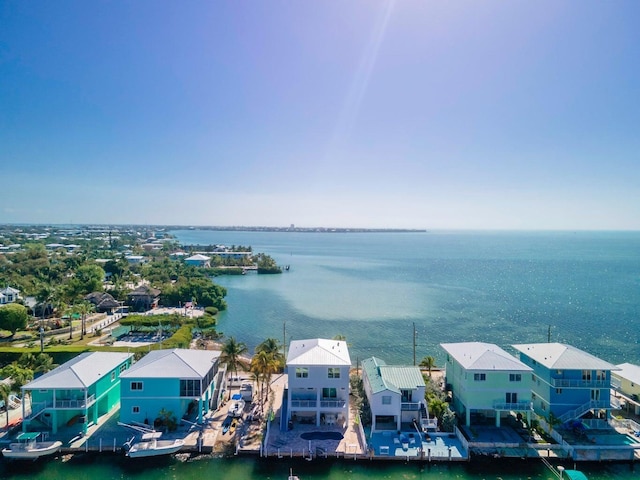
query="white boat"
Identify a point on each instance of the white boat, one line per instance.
(27, 447)
(237, 409)
(292, 476)
(150, 446)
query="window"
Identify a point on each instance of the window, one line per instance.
(135, 409)
(334, 372)
(479, 377)
(515, 377)
(386, 400)
(190, 388)
(136, 385)
(558, 391)
(329, 393)
(512, 397)
(302, 372)
(123, 367)
(113, 376)
(586, 375)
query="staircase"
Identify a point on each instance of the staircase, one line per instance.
(581, 410)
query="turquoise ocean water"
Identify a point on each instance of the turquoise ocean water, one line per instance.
(502, 288)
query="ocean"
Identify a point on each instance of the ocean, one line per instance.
(580, 288)
(376, 289)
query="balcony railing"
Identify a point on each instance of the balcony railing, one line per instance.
(68, 403)
(579, 383)
(410, 406)
(517, 406)
(333, 403)
(303, 403)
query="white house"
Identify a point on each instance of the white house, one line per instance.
(626, 381)
(486, 382)
(198, 260)
(9, 295)
(318, 382)
(396, 397)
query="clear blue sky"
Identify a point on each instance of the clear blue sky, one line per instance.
(416, 114)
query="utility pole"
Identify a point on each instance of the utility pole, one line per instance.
(549, 334)
(414, 344)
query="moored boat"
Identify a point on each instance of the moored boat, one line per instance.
(150, 446)
(27, 447)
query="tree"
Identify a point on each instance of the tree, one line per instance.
(231, 352)
(13, 317)
(263, 365)
(272, 348)
(5, 391)
(429, 363)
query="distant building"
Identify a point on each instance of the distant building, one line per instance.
(9, 295)
(396, 397)
(143, 298)
(568, 382)
(486, 382)
(78, 392)
(179, 381)
(103, 302)
(198, 260)
(135, 259)
(318, 376)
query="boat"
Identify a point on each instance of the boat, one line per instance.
(571, 474)
(150, 446)
(237, 409)
(27, 447)
(292, 476)
(226, 425)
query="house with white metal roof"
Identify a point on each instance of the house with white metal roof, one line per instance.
(180, 381)
(79, 391)
(568, 383)
(626, 382)
(486, 382)
(318, 382)
(396, 395)
(198, 260)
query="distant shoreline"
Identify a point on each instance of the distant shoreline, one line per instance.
(306, 229)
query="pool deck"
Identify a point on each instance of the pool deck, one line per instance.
(436, 446)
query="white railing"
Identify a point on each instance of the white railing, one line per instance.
(579, 383)
(410, 406)
(304, 403)
(333, 403)
(576, 412)
(517, 406)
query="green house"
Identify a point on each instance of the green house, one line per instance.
(77, 393)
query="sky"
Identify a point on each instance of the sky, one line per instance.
(420, 114)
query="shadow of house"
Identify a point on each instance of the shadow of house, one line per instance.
(103, 302)
(143, 298)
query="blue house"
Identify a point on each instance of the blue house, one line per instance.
(78, 392)
(567, 383)
(179, 381)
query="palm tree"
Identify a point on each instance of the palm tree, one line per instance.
(272, 347)
(84, 308)
(5, 391)
(429, 363)
(263, 365)
(43, 363)
(231, 352)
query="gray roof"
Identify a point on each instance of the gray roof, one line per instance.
(394, 378)
(484, 356)
(558, 356)
(629, 371)
(79, 372)
(318, 351)
(175, 363)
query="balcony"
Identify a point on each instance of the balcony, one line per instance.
(516, 407)
(71, 403)
(410, 406)
(303, 403)
(332, 403)
(578, 383)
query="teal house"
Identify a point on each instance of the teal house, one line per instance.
(486, 383)
(180, 381)
(568, 383)
(77, 393)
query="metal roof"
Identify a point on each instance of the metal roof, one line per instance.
(629, 371)
(318, 351)
(79, 372)
(558, 356)
(175, 363)
(391, 377)
(484, 356)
